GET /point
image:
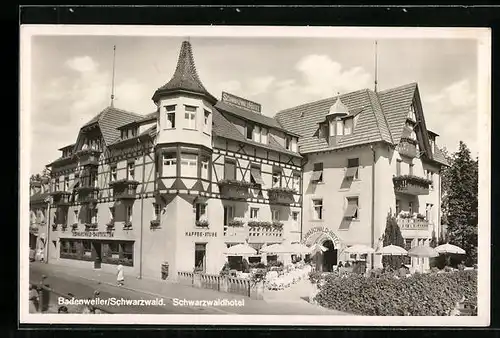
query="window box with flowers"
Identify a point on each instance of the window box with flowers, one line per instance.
(64, 227)
(54, 227)
(281, 195)
(236, 222)
(91, 226)
(277, 225)
(74, 226)
(111, 224)
(127, 225)
(154, 224)
(234, 189)
(411, 185)
(202, 223)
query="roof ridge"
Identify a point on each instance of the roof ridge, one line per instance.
(414, 83)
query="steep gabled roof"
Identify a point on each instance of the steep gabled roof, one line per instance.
(110, 119)
(222, 127)
(251, 116)
(371, 125)
(185, 77)
(395, 104)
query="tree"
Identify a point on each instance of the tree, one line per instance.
(392, 235)
(460, 189)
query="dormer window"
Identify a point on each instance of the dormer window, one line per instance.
(257, 133)
(340, 128)
(288, 142)
(411, 113)
(294, 144)
(170, 112)
(348, 126)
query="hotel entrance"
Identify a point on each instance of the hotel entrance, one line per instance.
(325, 261)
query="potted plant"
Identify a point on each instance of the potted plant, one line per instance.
(236, 222)
(277, 225)
(54, 227)
(74, 226)
(127, 225)
(155, 223)
(202, 223)
(253, 223)
(110, 224)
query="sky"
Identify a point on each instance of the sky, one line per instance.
(72, 75)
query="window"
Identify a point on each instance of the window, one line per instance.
(318, 209)
(296, 182)
(123, 134)
(353, 168)
(204, 168)
(254, 213)
(200, 250)
(295, 220)
(113, 172)
(340, 128)
(228, 214)
(352, 208)
(398, 207)
(73, 247)
(206, 122)
(317, 175)
(190, 117)
(169, 165)
(131, 170)
(201, 210)
(170, 116)
(114, 250)
(288, 142)
(112, 212)
(189, 165)
(93, 216)
(331, 125)
(410, 169)
(428, 211)
(276, 183)
(410, 208)
(127, 250)
(398, 167)
(348, 126)
(229, 169)
(256, 134)
(249, 131)
(87, 248)
(66, 183)
(275, 215)
(294, 144)
(430, 176)
(129, 213)
(157, 211)
(264, 138)
(256, 175)
(408, 246)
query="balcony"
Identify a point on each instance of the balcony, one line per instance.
(281, 195)
(61, 197)
(255, 232)
(234, 189)
(411, 185)
(89, 157)
(407, 147)
(413, 223)
(124, 189)
(88, 196)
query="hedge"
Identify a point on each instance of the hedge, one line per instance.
(431, 294)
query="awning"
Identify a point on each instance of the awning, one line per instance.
(345, 224)
(316, 175)
(351, 210)
(76, 182)
(256, 246)
(351, 172)
(256, 176)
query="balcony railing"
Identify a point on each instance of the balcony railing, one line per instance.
(234, 189)
(255, 231)
(281, 195)
(407, 147)
(413, 224)
(61, 197)
(124, 189)
(89, 156)
(411, 185)
(88, 194)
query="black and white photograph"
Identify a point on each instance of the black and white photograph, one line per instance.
(255, 175)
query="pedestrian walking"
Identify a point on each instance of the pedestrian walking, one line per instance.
(120, 278)
(33, 299)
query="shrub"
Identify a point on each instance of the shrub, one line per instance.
(432, 294)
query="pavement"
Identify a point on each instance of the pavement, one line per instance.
(83, 282)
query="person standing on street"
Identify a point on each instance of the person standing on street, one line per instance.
(119, 276)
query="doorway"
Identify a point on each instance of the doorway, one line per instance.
(329, 256)
(200, 257)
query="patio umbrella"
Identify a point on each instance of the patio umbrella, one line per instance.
(359, 249)
(422, 252)
(449, 249)
(240, 250)
(277, 249)
(392, 250)
(300, 248)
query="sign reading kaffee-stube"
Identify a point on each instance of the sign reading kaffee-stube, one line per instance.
(201, 234)
(93, 234)
(240, 102)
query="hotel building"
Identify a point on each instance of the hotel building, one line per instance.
(171, 190)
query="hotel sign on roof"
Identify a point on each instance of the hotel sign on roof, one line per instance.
(241, 102)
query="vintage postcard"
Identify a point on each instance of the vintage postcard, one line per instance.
(255, 175)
